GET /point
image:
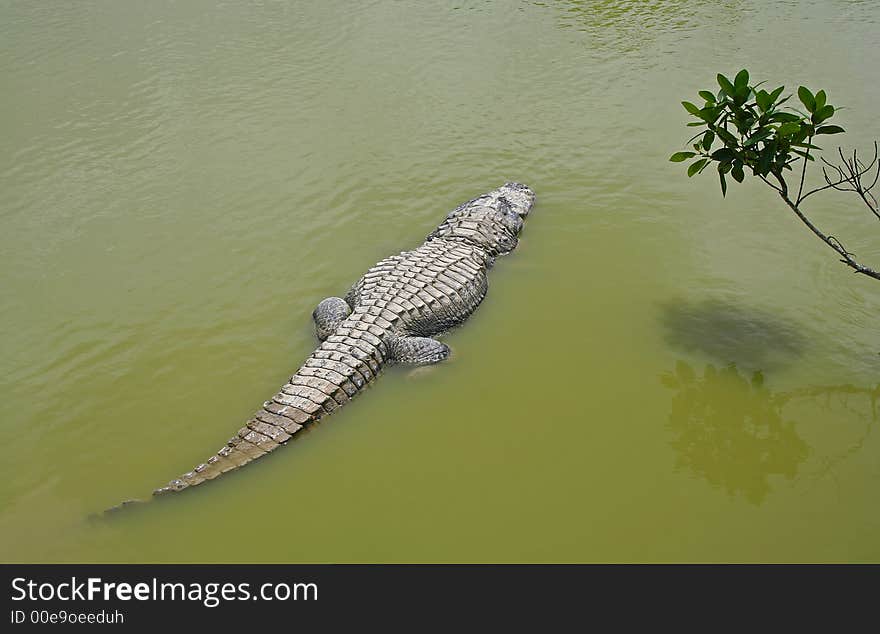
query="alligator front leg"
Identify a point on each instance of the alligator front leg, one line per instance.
(328, 315)
(417, 350)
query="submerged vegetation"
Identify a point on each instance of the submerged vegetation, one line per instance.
(756, 135)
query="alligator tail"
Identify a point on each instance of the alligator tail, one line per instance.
(332, 375)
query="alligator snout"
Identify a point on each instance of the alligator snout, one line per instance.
(520, 197)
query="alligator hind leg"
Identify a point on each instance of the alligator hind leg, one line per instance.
(417, 350)
(328, 315)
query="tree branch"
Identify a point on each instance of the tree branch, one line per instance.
(770, 184)
(846, 257)
(783, 186)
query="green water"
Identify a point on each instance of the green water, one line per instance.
(181, 183)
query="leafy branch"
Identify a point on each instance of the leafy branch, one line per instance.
(756, 133)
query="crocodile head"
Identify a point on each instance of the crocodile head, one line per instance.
(519, 197)
(492, 221)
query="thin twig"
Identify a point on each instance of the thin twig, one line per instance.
(770, 184)
(846, 257)
(804, 172)
(849, 178)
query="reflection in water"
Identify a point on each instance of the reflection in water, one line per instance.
(731, 430)
(728, 333)
(629, 24)
(822, 396)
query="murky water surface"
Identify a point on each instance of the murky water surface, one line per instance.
(657, 373)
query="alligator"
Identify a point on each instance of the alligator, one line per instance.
(390, 316)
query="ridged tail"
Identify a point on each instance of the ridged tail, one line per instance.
(330, 377)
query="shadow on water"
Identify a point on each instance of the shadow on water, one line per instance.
(730, 429)
(728, 333)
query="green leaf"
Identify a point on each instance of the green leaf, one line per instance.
(830, 129)
(784, 117)
(708, 138)
(807, 98)
(723, 184)
(696, 166)
(678, 157)
(724, 154)
(762, 97)
(727, 137)
(820, 99)
(708, 114)
(741, 80)
(691, 108)
(695, 124)
(789, 128)
(737, 173)
(726, 86)
(708, 96)
(775, 94)
(758, 136)
(807, 130)
(823, 113)
(741, 95)
(804, 154)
